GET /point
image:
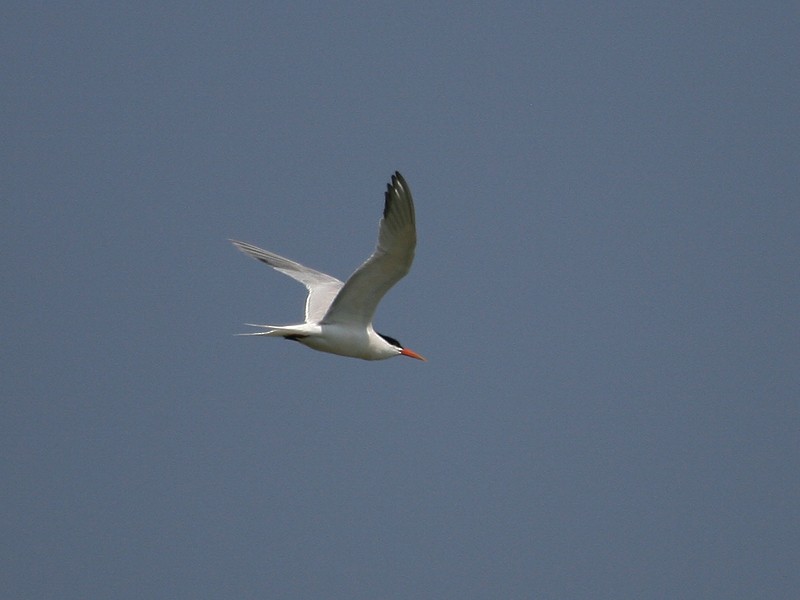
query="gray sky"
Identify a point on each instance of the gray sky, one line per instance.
(606, 288)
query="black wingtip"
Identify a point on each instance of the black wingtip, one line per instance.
(396, 183)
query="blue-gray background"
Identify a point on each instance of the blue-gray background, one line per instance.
(606, 287)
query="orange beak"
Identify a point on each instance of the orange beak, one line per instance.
(412, 354)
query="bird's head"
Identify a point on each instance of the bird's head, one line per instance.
(400, 350)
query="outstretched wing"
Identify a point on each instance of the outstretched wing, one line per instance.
(397, 238)
(322, 288)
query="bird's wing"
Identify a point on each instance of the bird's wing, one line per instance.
(397, 237)
(322, 288)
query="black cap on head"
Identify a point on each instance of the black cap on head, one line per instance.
(391, 340)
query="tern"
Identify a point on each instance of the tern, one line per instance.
(339, 315)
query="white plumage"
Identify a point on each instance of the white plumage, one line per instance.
(339, 315)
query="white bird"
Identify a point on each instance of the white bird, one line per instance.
(339, 315)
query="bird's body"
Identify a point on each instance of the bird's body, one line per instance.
(339, 315)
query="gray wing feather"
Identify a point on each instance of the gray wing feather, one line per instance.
(322, 288)
(390, 262)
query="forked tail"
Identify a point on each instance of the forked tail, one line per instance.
(276, 331)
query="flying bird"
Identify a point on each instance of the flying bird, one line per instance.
(339, 315)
